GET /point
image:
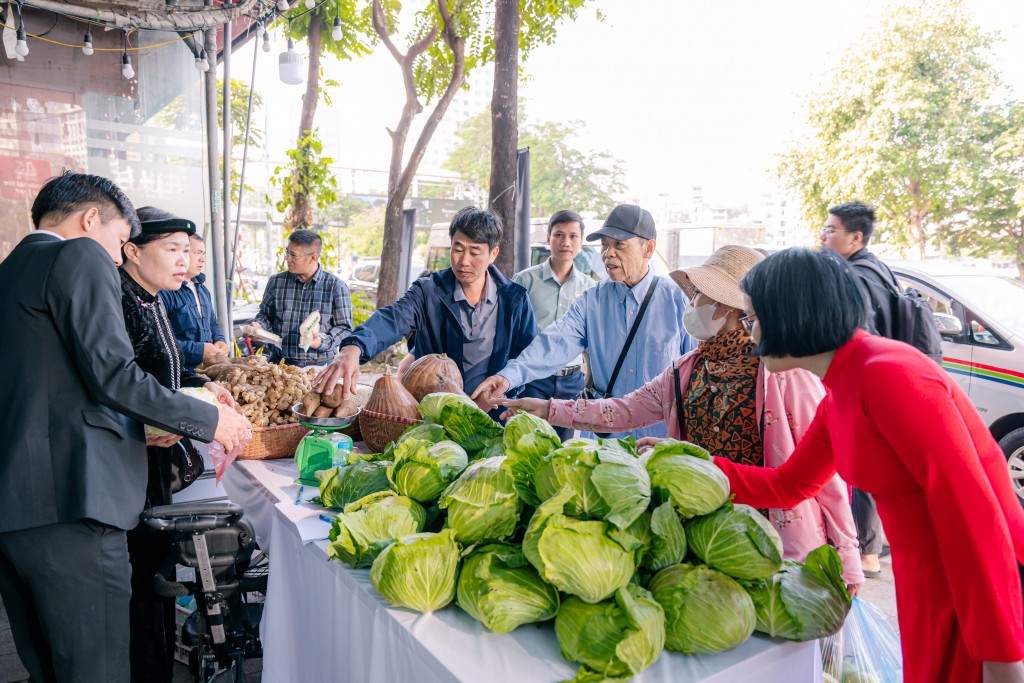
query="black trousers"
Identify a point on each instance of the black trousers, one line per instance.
(66, 590)
(152, 616)
(568, 387)
(869, 526)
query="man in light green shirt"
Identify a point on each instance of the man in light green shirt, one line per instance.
(553, 286)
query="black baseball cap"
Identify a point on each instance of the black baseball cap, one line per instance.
(624, 222)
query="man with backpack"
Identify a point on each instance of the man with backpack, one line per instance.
(896, 314)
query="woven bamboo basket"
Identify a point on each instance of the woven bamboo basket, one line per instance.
(378, 429)
(279, 441)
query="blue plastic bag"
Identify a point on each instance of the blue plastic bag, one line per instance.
(865, 650)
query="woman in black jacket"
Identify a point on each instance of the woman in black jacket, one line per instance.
(156, 260)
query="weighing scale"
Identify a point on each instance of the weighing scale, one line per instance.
(316, 450)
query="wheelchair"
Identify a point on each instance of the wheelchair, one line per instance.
(214, 540)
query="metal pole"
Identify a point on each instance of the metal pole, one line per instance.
(245, 158)
(229, 291)
(216, 190)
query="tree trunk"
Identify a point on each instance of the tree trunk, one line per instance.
(918, 210)
(302, 212)
(505, 128)
(399, 178)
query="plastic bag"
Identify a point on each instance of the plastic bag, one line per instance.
(865, 650)
(306, 329)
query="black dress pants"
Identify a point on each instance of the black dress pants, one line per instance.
(869, 526)
(66, 590)
(152, 616)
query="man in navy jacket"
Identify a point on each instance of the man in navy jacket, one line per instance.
(190, 310)
(470, 311)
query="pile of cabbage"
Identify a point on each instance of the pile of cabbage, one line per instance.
(628, 554)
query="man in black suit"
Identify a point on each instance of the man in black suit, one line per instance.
(72, 451)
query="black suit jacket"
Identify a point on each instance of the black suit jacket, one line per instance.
(73, 401)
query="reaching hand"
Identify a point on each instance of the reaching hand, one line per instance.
(222, 347)
(222, 395)
(164, 441)
(647, 443)
(538, 407)
(344, 368)
(490, 392)
(232, 427)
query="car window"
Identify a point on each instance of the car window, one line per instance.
(980, 335)
(366, 272)
(588, 261)
(997, 298)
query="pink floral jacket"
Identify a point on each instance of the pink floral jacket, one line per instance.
(787, 401)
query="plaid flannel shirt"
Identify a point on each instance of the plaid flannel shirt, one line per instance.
(287, 301)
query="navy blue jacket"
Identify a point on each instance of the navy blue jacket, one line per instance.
(429, 308)
(191, 329)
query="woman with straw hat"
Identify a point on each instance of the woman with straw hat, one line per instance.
(722, 397)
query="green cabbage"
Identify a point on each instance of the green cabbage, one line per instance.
(668, 539)
(683, 473)
(482, 503)
(737, 540)
(432, 404)
(527, 441)
(418, 571)
(498, 587)
(340, 486)
(424, 431)
(613, 640)
(422, 469)
(578, 557)
(370, 524)
(607, 482)
(472, 428)
(803, 601)
(705, 610)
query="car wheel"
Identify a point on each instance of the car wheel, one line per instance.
(1013, 448)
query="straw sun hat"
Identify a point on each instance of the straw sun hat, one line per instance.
(719, 277)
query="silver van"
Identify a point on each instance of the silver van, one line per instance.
(981, 318)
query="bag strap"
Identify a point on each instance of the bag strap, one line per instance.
(679, 404)
(886, 278)
(632, 333)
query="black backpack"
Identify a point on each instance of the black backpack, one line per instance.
(911, 319)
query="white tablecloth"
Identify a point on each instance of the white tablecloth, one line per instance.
(324, 621)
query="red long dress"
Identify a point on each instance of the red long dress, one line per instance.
(895, 425)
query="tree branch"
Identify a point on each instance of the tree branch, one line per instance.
(380, 25)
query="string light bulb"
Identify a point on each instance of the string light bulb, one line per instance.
(87, 45)
(290, 65)
(126, 66)
(282, 5)
(336, 31)
(266, 40)
(310, 4)
(21, 47)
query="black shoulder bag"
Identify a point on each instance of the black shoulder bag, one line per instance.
(592, 393)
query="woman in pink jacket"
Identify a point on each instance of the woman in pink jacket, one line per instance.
(721, 397)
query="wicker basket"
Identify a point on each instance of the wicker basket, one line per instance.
(378, 429)
(279, 441)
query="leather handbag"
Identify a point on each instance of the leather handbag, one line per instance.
(186, 465)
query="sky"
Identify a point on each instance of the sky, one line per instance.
(685, 93)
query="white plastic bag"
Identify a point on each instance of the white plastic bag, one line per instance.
(865, 650)
(306, 329)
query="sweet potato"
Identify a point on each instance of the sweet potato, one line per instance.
(310, 402)
(334, 398)
(323, 411)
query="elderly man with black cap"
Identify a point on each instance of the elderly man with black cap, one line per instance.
(630, 324)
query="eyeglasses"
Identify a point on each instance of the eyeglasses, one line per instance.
(292, 256)
(828, 232)
(748, 322)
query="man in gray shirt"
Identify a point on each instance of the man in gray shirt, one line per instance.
(477, 323)
(553, 286)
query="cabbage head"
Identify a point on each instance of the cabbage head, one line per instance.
(424, 431)
(422, 469)
(498, 587)
(668, 539)
(737, 540)
(683, 473)
(418, 571)
(432, 404)
(367, 526)
(527, 441)
(607, 482)
(340, 486)
(482, 503)
(803, 601)
(705, 610)
(582, 558)
(615, 639)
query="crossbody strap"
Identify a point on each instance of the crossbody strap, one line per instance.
(629, 339)
(679, 404)
(882, 275)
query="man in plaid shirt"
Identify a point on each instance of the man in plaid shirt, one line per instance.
(292, 295)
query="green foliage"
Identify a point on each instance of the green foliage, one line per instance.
(364, 233)
(308, 172)
(362, 308)
(898, 123)
(561, 176)
(356, 28)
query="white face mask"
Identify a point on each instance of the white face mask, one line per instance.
(698, 322)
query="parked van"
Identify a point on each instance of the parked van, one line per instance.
(981, 319)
